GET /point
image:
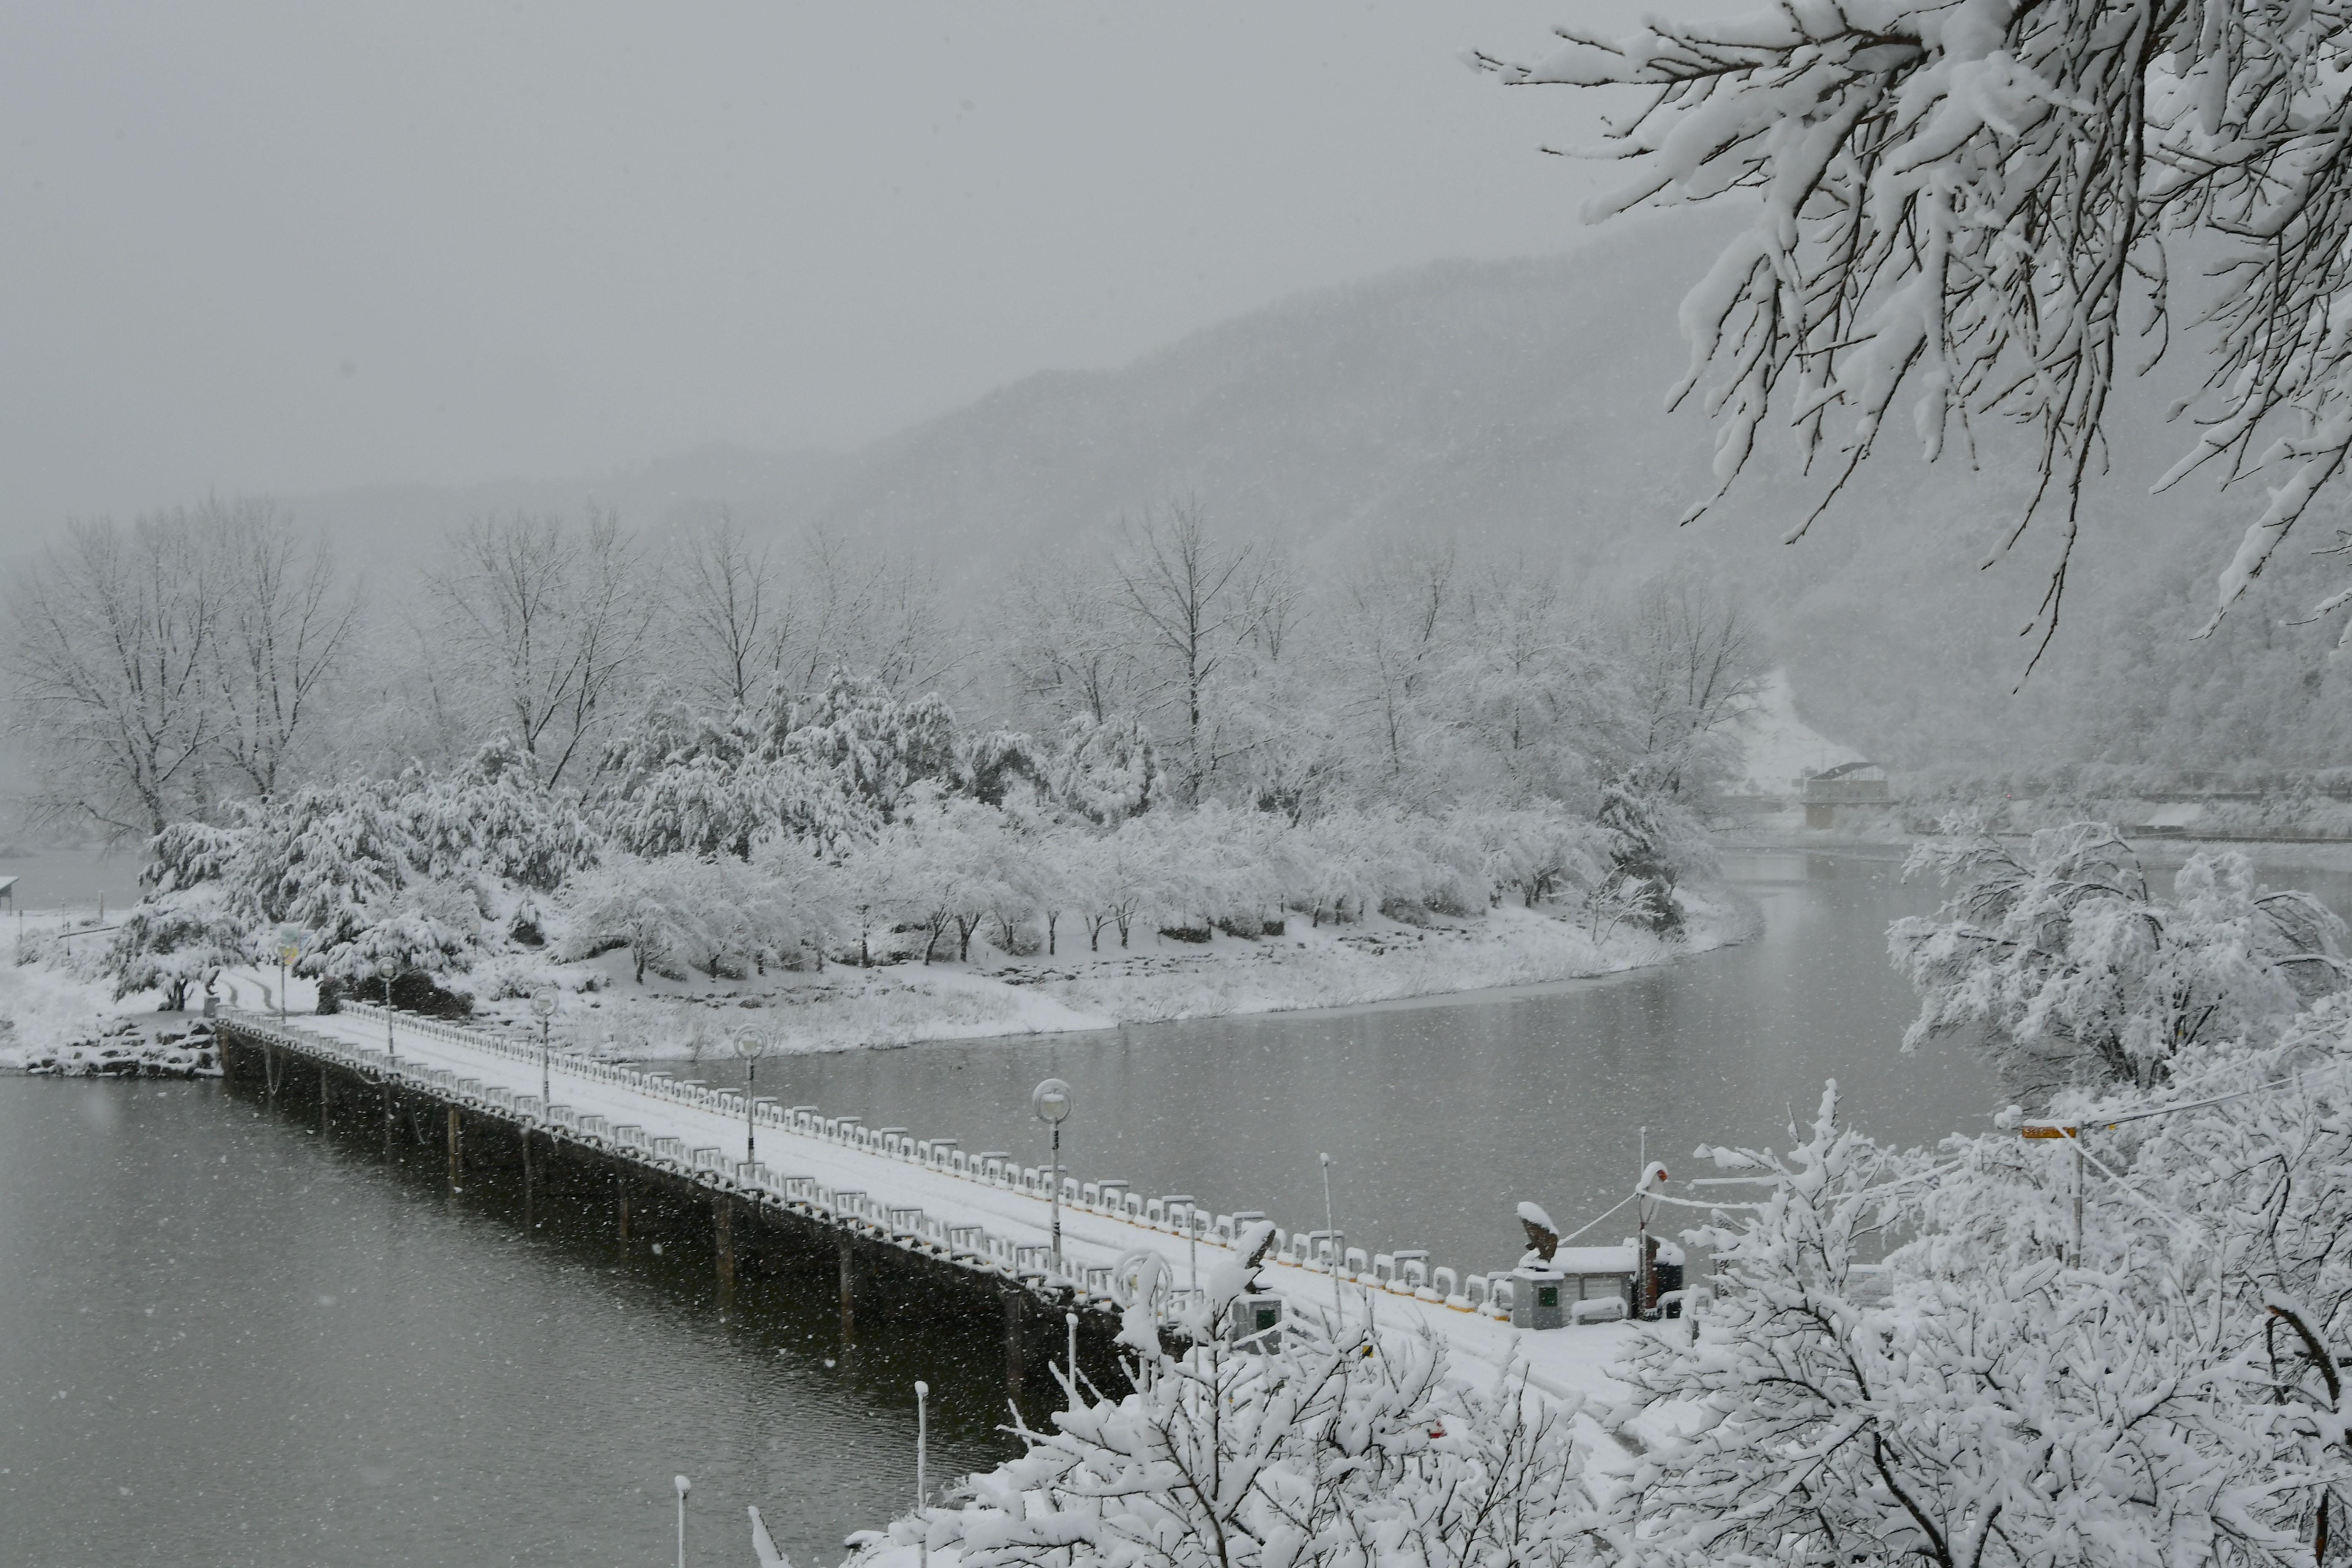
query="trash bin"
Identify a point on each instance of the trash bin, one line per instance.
(1254, 1323)
(1535, 1299)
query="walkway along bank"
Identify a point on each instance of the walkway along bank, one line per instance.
(917, 1226)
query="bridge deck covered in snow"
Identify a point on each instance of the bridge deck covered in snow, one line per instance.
(981, 1212)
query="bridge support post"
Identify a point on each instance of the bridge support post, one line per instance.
(391, 1119)
(621, 1206)
(269, 1067)
(849, 1288)
(322, 1099)
(457, 1146)
(722, 1226)
(1013, 1344)
(530, 1186)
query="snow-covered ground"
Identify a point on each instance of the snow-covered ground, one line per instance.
(43, 1008)
(1153, 980)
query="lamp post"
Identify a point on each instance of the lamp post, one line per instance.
(290, 948)
(387, 969)
(751, 1045)
(922, 1477)
(1331, 1230)
(543, 1002)
(1051, 1101)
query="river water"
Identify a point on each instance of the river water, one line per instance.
(227, 1339)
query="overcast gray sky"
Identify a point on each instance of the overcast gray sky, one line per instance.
(282, 248)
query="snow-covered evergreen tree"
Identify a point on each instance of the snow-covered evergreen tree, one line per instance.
(493, 818)
(877, 747)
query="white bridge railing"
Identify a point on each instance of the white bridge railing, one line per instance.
(1405, 1272)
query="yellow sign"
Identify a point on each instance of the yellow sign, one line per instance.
(2047, 1129)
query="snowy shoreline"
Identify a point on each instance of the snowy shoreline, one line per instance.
(1376, 963)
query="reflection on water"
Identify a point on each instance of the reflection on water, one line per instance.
(223, 1341)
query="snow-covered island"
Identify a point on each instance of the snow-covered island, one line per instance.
(58, 1007)
(1460, 782)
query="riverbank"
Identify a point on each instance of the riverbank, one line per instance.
(1157, 979)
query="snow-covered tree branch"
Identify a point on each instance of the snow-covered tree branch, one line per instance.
(1976, 211)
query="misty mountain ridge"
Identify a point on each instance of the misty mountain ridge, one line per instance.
(1519, 406)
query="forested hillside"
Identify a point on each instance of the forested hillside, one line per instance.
(1516, 410)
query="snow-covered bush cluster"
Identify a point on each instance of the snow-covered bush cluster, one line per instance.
(1172, 739)
(1985, 1394)
(1336, 1449)
(859, 832)
(2065, 963)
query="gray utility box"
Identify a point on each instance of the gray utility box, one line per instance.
(1536, 1298)
(1254, 1323)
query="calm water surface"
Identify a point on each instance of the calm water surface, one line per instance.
(224, 1338)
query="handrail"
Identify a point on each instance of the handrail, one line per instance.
(804, 1121)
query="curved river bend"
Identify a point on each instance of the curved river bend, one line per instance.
(226, 1339)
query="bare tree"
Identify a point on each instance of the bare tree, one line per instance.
(1389, 640)
(834, 597)
(552, 620)
(1275, 593)
(111, 658)
(1190, 600)
(1068, 640)
(905, 641)
(872, 614)
(283, 630)
(731, 618)
(1695, 668)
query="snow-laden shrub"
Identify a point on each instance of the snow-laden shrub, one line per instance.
(2068, 964)
(171, 941)
(1106, 770)
(2170, 1396)
(716, 914)
(1334, 1452)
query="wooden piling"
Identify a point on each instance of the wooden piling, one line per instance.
(390, 1120)
(530, 1186)
(322, 1097)
(722, 1225)
(457, 1146)
(849, 1288)
(621, 1206)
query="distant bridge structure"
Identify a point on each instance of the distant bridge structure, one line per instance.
(1849, 783)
